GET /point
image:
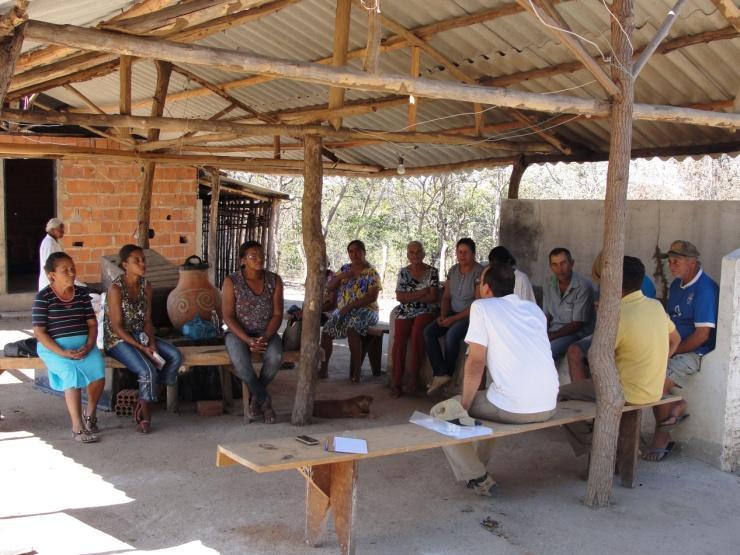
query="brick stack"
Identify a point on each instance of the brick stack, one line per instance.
(126, 402)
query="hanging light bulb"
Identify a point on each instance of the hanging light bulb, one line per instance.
(401, 169)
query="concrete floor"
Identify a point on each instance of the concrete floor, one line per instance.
(163, 494)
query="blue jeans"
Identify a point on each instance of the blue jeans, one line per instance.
(144, 368)
(444, 365)
(241, 358)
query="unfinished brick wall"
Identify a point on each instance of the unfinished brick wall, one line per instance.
(98, 201)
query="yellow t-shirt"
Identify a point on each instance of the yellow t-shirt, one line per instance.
(642, 348)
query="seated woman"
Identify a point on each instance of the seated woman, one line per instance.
(460, 292)
(417, 289)
(522, 285)
(252, 304)
(66, 329)
(129, 334)
(357, 286)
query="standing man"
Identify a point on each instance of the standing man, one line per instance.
(508, 335)
(568, 301)
(693, 301)
(50, 244)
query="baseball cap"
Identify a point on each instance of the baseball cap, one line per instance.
(452, 411)
(681, 248)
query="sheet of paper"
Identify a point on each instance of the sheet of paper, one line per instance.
(350, 445)
(448, 428)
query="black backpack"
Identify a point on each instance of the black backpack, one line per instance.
(24, 348)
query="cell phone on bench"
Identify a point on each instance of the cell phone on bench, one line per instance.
(307, 440)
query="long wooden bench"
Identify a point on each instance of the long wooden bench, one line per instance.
(192, 356)
(331, 478)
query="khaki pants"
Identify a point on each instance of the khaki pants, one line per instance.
(469, 460)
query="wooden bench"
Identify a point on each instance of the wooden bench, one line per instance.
(213, 355)
(331, 478)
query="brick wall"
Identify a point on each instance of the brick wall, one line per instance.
(98, 201)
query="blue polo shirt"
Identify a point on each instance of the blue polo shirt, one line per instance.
(694, 305)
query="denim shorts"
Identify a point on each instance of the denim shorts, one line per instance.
(682, 366)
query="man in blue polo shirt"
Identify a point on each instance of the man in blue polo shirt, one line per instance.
(693, 300)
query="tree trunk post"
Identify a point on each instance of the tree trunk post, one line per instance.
(10, 49)
(517, 171)
(610, 398)
(213, 225)
(315, 249)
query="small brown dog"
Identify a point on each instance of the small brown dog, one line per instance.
(354, 407)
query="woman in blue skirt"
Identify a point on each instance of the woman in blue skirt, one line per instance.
(66, 329)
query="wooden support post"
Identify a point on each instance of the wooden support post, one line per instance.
(276, 147)
(413, 101)
(628, 447)
(213, 225)
(315, 248)
(341, 41)
(10, 49)
(125, 75)
(318, 488)
(517, 171)
(601, 355)
(164, 70)
(374, 36)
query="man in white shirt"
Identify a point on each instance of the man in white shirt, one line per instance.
(507, 335)
(50, 244)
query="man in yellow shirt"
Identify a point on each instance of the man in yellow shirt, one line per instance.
(646, 339)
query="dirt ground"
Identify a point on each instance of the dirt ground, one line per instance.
(162, 493)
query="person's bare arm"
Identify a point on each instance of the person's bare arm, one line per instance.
(567, 329)
(674, 339)
(277, 311)
(694, 341)
(43, 337)
(474, 367)
(446, 307)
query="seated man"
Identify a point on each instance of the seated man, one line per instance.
(693, 300)
(646, 338)
(568, 300)
(509, 336)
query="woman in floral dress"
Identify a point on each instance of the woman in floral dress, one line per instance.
(357, 285)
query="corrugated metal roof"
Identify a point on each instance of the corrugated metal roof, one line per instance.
(514, 43)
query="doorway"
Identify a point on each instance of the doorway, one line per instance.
(30, 201)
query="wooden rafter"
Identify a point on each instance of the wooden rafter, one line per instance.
(10, 48)
(413, 101)
(463, 77)
(662, 33)
(125, 76)
(314, 73)
(374, 37)
(339, 58)
(89, 103)
(730, 11)
(555, 26)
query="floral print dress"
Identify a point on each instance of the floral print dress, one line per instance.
(351, 290)
(408, 283)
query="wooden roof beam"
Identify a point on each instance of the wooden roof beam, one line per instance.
(730, 11)
(12, 26)
(374, 37)
(413, 101)
(339, 58)
(662, 33)
(555, 26)
(314, 73)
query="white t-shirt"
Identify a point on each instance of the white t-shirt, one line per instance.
(523, 287)
(519, 360)
(48, 246)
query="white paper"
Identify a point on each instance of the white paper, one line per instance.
(350, 445)
(448, 428)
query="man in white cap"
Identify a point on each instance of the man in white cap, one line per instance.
(508, 335)
(693, 302)
(50, 244)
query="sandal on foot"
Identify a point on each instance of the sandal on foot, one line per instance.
(485, 486)
(268, 412)
(657, 455)
(85, 436)
(254, 411)
(671, 422)
(91, 423)
(144, 426)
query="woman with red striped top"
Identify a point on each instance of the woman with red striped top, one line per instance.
(66, 329)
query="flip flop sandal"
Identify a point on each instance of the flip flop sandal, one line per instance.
(668, 427)
(254, 412)
(85, 436)
(91, 423)
(269, 414)
(662, 453)
(144, 426)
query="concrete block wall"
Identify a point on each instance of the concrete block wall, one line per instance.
(98, 201)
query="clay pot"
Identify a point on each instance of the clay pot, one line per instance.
(193, 295)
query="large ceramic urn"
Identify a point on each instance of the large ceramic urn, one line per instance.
(194, 294)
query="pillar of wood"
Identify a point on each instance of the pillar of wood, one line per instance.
(315, 249)
(601, 355)
(517, 171)
(10, 49)
(213, 225)
(164, 70)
